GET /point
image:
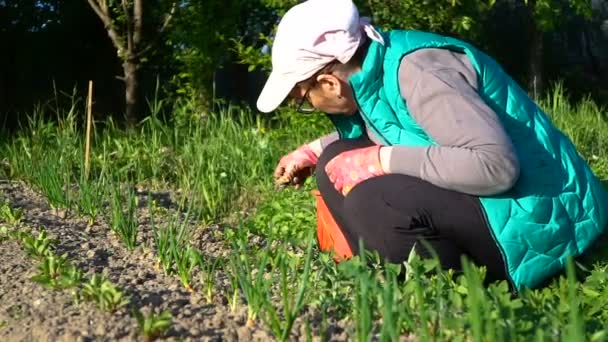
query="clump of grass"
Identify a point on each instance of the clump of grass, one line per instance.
(251, 280)
(292, 293)
(104, 293)
(153, 326)
(57, 272)
(37, 247)
(186, 260)
(208, 275)
(90, 197)
(170, 240)
(9, 214)
(123, 220)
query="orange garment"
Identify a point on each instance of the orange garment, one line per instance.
(330, 237)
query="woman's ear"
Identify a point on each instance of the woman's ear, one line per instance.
(330, 84)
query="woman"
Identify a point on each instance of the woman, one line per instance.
(434, 142)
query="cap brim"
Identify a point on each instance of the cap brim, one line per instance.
(275, 91)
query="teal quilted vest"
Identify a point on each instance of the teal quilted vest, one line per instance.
(556, 209)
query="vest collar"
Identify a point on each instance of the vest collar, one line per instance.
(368, 80)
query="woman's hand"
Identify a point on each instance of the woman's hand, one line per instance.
(295, 167)
(352, 167)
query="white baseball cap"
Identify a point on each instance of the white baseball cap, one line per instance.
(309, 36)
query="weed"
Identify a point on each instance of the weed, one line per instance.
(251, 281)
(208, 274)
(9, 214)
(186, 259)
(292, 297)
(5, 233)
(89, 197)
(153, 326)
(105, 294)
(170, 241)
(124, 221)
(56, 272)
(39, 247)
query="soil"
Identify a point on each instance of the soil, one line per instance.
(31, 312)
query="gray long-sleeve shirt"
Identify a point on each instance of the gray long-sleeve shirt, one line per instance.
(473, 154)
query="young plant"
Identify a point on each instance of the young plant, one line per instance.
(251, 282)
(5, 233)
(233, 296)
(39, 247)
(57, 273)
(9, 214)
(52, 176)
(208, 277)
(124, 222)
(105, 294)
(153, 326)
(89, 197)
(186, 260)
(389, 299)
(170, 242)
(292, 295)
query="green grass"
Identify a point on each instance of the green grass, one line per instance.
(219, 167)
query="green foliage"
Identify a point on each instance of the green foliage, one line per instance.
(454, 17)
(250, 278)
(273, 267)
(202, 30)
(38, 247)
(153, 326)
(104, 293)
(9, 214)
(549, 14)
(56, 272)
(123, 219)
(292, 286)
(186, 260)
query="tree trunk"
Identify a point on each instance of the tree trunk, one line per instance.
(130, 67)
(535, 60)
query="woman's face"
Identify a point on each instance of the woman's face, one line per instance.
(329, 94)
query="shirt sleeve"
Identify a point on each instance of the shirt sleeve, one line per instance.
(473, 154)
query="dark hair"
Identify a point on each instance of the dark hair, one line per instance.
(355, 62)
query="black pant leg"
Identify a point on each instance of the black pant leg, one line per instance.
(392, 213)
(333, 199)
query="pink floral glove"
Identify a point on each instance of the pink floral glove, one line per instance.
(352, 167)
(296, 166)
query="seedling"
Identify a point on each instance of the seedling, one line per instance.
(170, 243)
(292, 301)
(186, 261)
(9, 214)
(233, 297)
(252, 283)
(57, 273)
(89, 198)
(39, 247)
(105, 294)
(5, 233)
(124, 223)
(52, 176)
(208, 277)
(153, 326)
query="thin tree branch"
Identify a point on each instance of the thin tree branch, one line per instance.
(138, 18)
(166, 22)
(100, 7)
(168, 17)
(125, 9)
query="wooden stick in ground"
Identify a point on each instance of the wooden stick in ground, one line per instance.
(87, 149)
